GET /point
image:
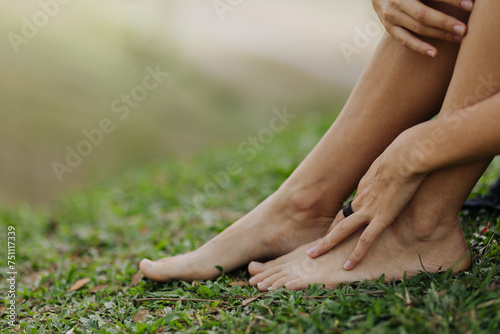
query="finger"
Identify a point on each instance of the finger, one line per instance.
(420, 29)
(464, 4)
(343, 229)
(366, 240)
(431, 17)
(337, 219)
(412, 42)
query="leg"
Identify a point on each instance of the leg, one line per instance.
(382, 105)
(429, 226)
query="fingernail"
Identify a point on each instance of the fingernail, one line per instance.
(312, 251)
(466, 5)
(458, 29)
(347, 265)
(431, 53)
(147, 264)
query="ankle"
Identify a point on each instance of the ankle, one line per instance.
(309, 202)
(438, 241)
(428, 224)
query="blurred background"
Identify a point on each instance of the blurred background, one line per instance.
(65, 65)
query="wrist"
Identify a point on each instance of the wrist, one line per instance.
(414, 150)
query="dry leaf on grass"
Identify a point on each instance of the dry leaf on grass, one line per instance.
(140, 315)
(249, 300)
(96, 288)
(136, 278)
(240, 282)
(79, 284)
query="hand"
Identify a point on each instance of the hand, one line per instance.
(382, 194)
(401, 17)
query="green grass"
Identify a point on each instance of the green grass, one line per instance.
(103, 233)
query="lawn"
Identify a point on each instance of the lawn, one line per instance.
(77, 262)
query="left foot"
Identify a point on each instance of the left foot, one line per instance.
(275, 227)
(395, 252)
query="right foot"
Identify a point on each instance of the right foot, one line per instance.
(275, 227)
(397, 253)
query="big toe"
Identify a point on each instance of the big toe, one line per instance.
(255, 267)
(153, 270)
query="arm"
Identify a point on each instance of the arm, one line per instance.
(467, 135)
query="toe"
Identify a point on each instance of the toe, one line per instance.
(258, 267)
(264, 275)
(295, 284)
(153, 270)
(268, 282)
(255, 268)
(281, 282)
(170, 258)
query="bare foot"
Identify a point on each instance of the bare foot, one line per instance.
(275, 227)
(394, 253)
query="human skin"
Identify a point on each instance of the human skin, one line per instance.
(466, 134)
(420, 198)
(383, 104)
(405, 18)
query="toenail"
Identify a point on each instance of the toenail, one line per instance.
(147, 264)
(257, 265)
(259, 284)
(252, 280)
(270, 288)
(347, 265)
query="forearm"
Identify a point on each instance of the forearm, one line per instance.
(461, 137)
